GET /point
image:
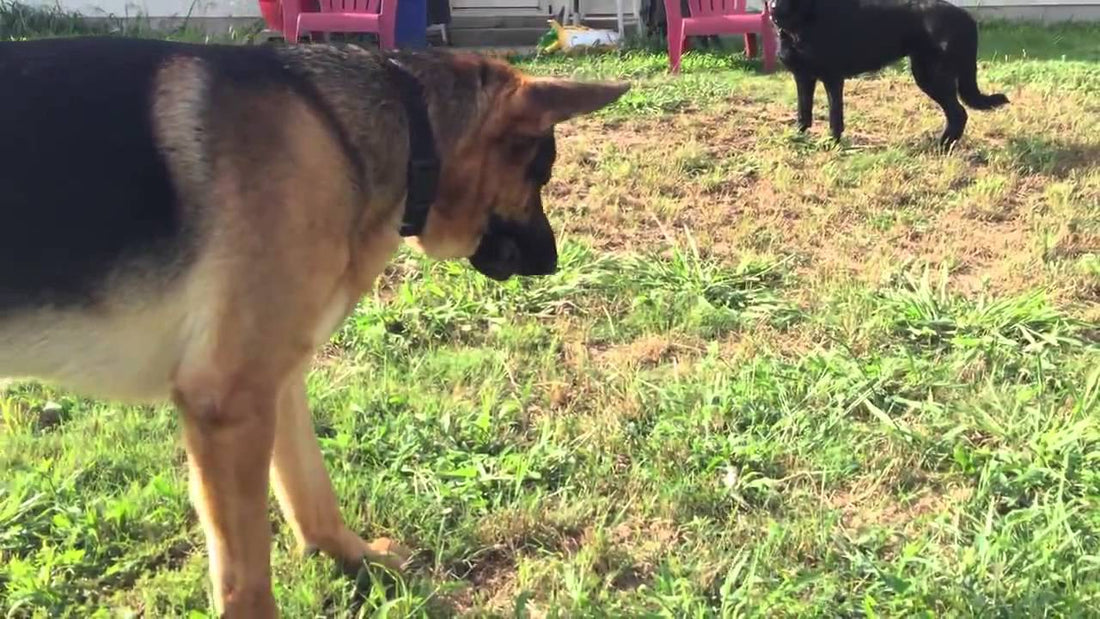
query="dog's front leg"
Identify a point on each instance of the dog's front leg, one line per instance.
(228, 433)
(305, 492)
(806, 85)
(834, 88)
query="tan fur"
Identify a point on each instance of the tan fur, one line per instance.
(289, 242)
(125, 352)
(179, 107)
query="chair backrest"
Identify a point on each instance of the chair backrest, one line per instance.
(702, 8)
(354, 6)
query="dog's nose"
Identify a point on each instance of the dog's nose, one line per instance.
(542, 263)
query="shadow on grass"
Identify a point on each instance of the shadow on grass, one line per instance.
(1033, 154)
(1056, 157)
(377, 591)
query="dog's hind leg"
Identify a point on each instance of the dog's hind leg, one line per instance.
(305, 493)
(228, 428)
(834, 88)
(805, 84)
(941, 85)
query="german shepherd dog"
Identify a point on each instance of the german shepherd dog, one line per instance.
(191, 222)
(830, 40)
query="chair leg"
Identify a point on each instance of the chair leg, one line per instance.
(771, 47)
(387, 38)
(293, 33)
(676, 44)
(751, 46)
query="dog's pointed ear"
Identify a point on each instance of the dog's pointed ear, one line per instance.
(541, 103)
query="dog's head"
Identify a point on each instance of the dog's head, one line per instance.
(496, 144)
(791, 15)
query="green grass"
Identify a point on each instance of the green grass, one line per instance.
(773, 377)
(19, 21)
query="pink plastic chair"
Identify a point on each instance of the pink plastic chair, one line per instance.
(377, 16)
(713, 17)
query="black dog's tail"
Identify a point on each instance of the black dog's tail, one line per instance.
(971, 96)
(968, 85)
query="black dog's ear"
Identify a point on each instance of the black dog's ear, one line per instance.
(805, 11)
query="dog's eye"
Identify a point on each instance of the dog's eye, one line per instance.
(539, 153)
(484, 74)
(543, 163)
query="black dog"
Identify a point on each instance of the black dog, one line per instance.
(830, 40)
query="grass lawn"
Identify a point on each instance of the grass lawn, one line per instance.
(773, 377)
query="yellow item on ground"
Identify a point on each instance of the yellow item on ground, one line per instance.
(566, 38)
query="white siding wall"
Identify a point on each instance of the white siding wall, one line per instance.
(157, 8)
(250, 8)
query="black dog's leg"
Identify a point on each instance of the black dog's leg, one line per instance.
(806, 85)
(941, 85)
(835, 89)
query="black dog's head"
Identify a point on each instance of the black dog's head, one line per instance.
(510, 248)
(791, 15)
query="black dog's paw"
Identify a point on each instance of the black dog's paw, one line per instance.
(936, 144)
(797, 135)
(947, 142)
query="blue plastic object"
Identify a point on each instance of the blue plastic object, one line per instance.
(411, 29)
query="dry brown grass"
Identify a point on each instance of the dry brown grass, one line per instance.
(1008, 210)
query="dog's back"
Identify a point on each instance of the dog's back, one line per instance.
(850, 37)
(66, 217)
(106, 170)
(100, 117)
(83, 191)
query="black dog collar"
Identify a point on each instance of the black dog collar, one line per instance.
(422, 170)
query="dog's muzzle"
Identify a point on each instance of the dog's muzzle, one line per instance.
(509, 248)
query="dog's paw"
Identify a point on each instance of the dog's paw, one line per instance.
(380, 570)
(945, 145)
(386, 552)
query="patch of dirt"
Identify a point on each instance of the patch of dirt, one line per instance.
(645, 352)
(874, 506)
(975, 251)
(649, 538)
(790, 343)
(491, 573)
(628, 554)
(489, 580)
(640, 545)
(1072, 241)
